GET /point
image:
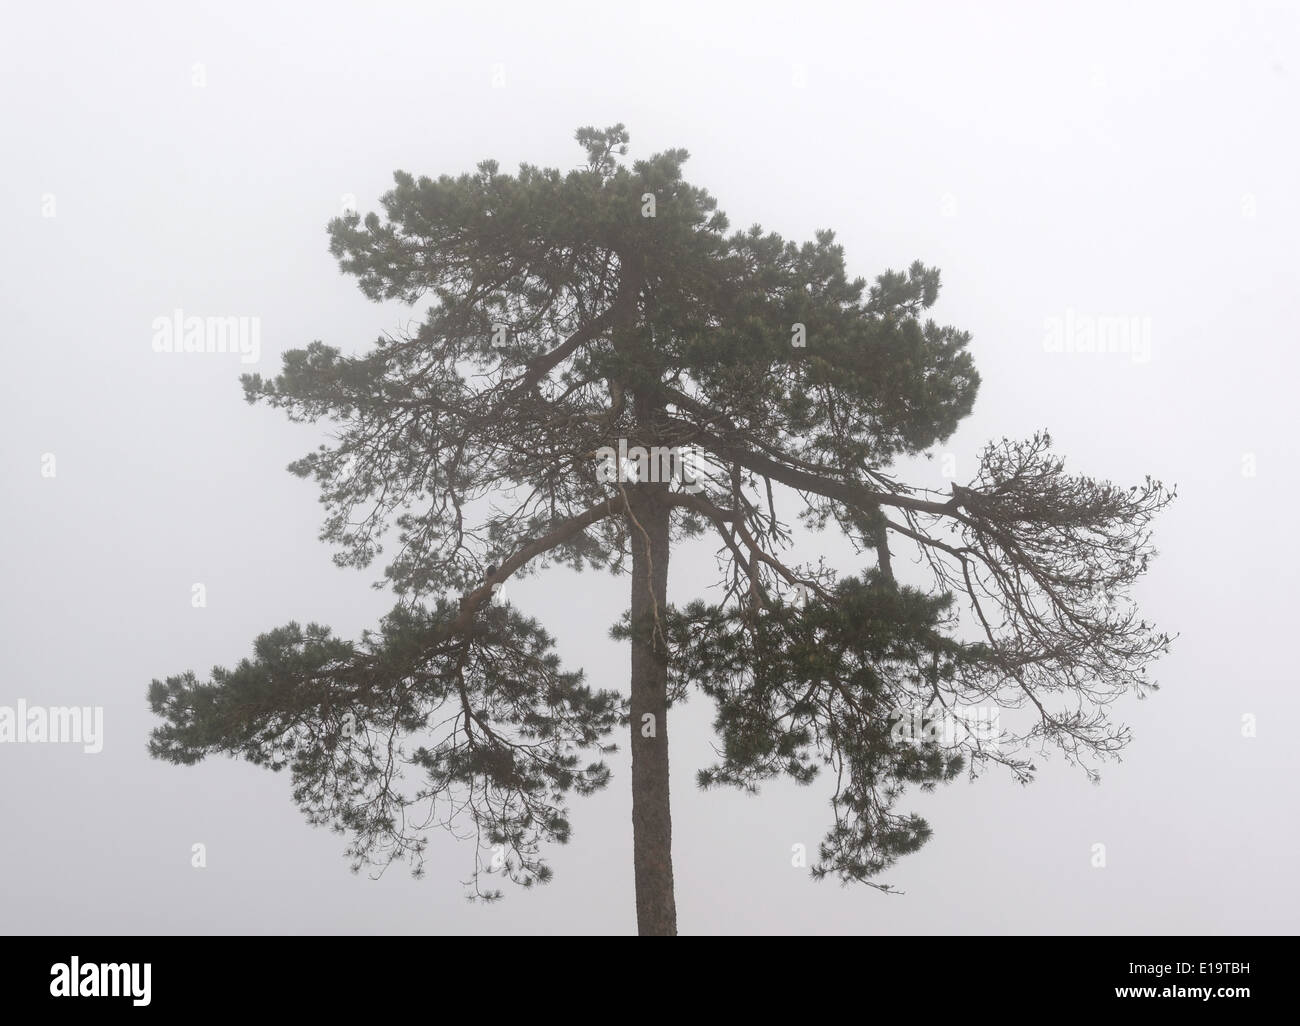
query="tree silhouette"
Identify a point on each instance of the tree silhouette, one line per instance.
(584, 321)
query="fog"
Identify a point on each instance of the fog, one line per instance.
(1120, 161)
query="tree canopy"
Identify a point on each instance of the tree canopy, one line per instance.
(569, 311)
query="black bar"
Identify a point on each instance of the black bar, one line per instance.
(867, 976)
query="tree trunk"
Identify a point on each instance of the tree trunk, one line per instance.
(656, 907)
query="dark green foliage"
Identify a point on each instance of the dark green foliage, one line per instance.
(563, 319)
(801, 685)
(485, 722)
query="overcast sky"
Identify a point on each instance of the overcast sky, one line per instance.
(1136, 161)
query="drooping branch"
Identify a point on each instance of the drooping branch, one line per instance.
(558, 535)
(541, 366)
(1043, 559)
(823, 484)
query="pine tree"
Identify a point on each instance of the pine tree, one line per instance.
(575, 318)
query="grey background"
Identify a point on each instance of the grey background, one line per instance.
(1114, 159)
